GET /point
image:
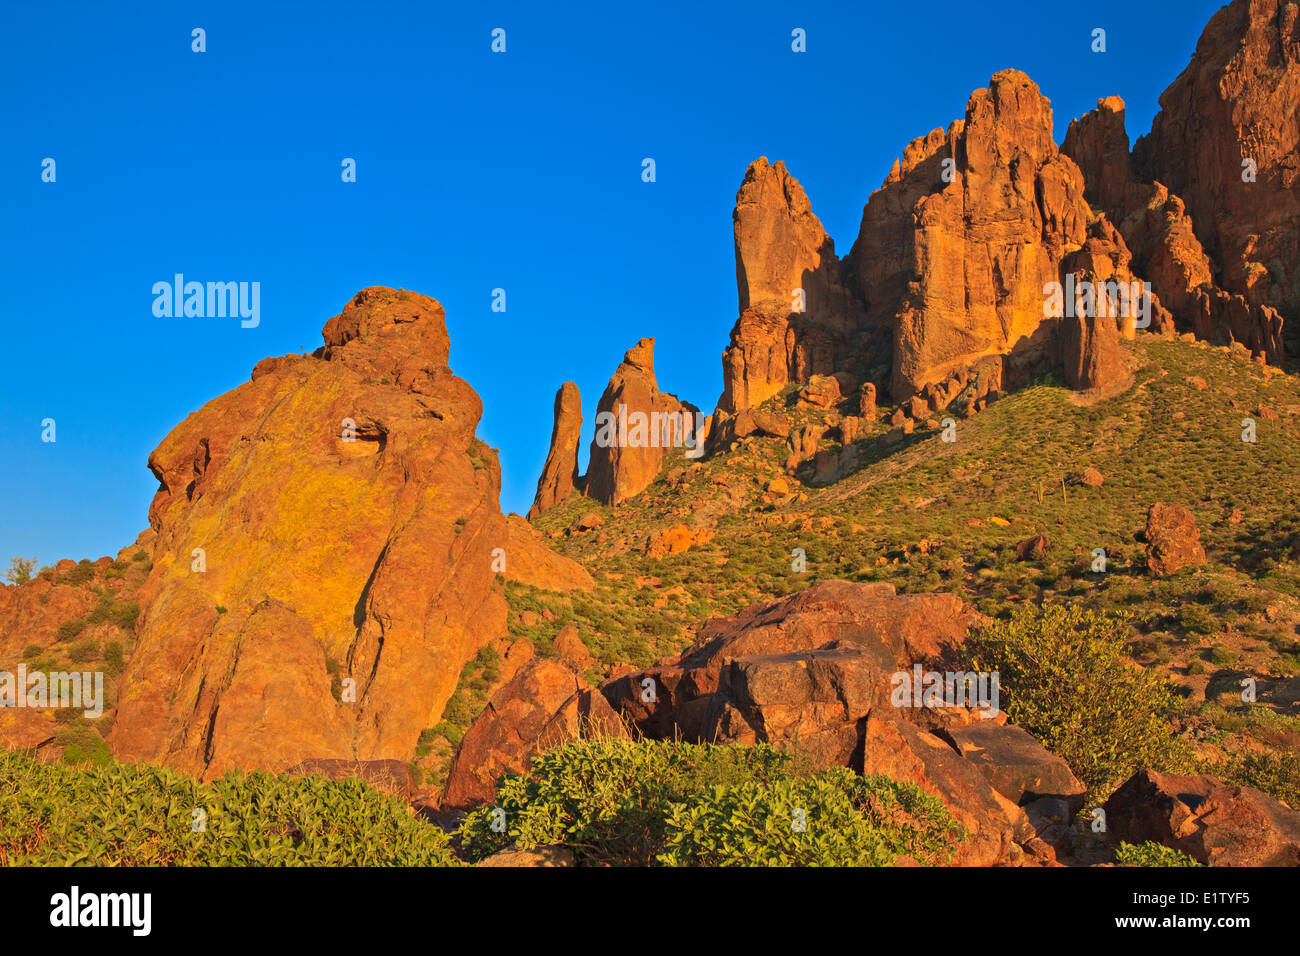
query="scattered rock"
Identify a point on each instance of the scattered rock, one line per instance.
(1173, 541)
(1210, 821)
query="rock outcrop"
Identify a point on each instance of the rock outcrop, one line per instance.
(956, 246)
(529, 561)
(797, 315)
(818, 672)
(1213, 822)
(322, 568)
(546, 703)
(1226, 141)
(636, 427)
(1160, 233)
(559, 480)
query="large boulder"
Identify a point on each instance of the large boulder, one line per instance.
(545, 704)
(817, 673)
(1213, 822)
(322, 567)
(1173, 541)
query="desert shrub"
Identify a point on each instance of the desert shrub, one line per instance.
(114, 659)
(833, 818)
(117, 815)
(71, 629)
(1064, 677)
(20, 570)
(83, 572)
(83, 651)
(1151, 854)
(671, 803)
(1274, 772)
(124, 615)
(80, 743)
(1195, 619)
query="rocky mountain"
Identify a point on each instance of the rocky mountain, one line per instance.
(923, 461)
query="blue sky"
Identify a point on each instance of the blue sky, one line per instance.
(475, 171)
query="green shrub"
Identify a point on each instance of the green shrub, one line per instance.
(83, 572)
(71, 629)
(117, 815)
(1195, 619)
(124, 615)
(1151, 854)
(20, 570)
(1276, 773)
(1064, 677)
(834, 818)
(80, 743)
(83, 651)
(622, 803)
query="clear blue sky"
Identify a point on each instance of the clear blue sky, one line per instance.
(475, 171)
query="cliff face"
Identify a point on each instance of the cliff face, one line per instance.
(1163, 238)
(947, 272)
(1232, 109)
(797, 316)
(331, 521)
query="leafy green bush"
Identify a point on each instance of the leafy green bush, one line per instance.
(1151, 854)
(1276, 773)
(623, 803)
(1064, 677)
(834, 818)
(81, 744)
(56, 815)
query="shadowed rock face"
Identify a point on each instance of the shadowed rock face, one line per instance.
(1213, 822)
(1158, 229)
(815, 672)
(627, 455)
(559, 480)
(1234, 102)
(367, 559)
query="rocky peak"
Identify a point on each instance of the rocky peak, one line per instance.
(323, 562)
(636, 425)
(559, 479)
(1231, 111)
